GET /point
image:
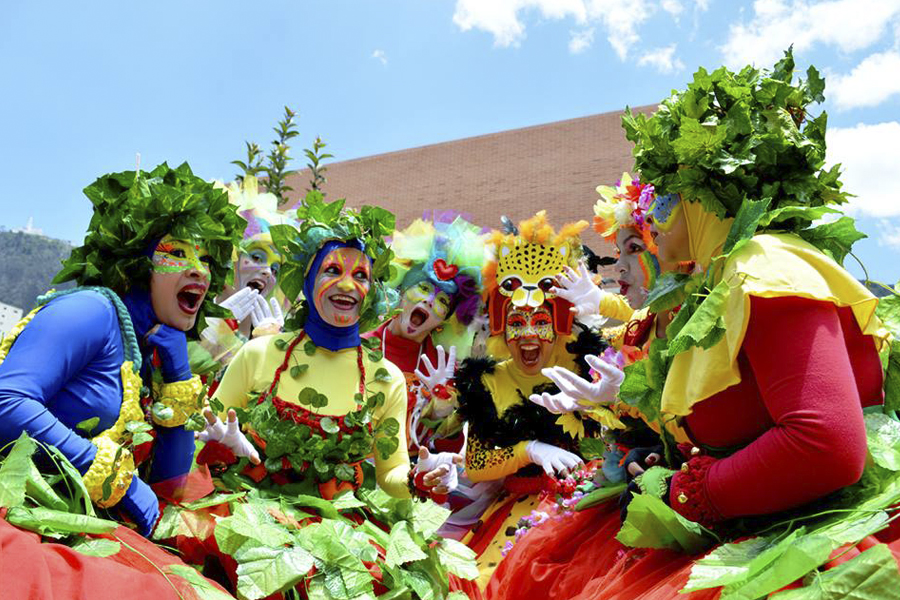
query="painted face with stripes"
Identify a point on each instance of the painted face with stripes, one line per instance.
(637, 267)
(343, 280)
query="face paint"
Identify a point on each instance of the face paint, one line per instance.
(258, 267)
(525, 324)
(664, 211)
(176, 256)
(437, 299)
(342, 283)
(650, 267)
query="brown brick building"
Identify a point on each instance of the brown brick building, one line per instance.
(555, 166)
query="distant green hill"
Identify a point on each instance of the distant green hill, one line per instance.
(27, 265)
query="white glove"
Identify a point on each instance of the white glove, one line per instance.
(228, 435)
(266, 314)
(577, 393)
(579, 289)
(551, 458)
(441, 474)
(240, 303)
(440, 374)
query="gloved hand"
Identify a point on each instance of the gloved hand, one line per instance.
(577, 393)
(440, 374)
(229, 435)
(639, 460)
(579, 289)
(550, 458)
(441, 474)
(241, 303)
(171, 344)
(141, 504)
(266, 316)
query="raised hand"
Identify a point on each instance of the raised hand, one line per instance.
(603, 391)
(241, 303)
(266, 315)
(228, 434)
(578, 288)
(440, 374)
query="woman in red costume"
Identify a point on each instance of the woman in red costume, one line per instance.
(768, 366)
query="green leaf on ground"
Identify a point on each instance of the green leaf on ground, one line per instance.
(204, 588)
(101, 547)
(15, 470)
(458, 558)
(804, 555)
(263, 570)
(347, 501)
(868, 576)
(249, 523)
(427, 517)
(401, 547)
(652, 524)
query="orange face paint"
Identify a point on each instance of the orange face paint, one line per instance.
(343, 280)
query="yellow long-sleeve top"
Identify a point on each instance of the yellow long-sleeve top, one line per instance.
(334, 374)
(483, 461)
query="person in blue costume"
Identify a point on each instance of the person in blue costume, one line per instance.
(75, 371)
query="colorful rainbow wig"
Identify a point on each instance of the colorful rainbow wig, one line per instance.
(625, 205)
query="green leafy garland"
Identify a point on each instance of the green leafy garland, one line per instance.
(133, 210)
(322, 222)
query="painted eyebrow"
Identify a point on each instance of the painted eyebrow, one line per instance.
(632, 237)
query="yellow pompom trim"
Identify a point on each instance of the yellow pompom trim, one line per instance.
(131, 405)
(105, 464)
(182, 397)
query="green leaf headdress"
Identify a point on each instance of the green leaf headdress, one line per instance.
(321, 222)
(731, 138)
(133, 210)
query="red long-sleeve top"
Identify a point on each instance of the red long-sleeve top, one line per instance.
(806, 372)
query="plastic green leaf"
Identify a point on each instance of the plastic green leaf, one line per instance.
(652, 524)
(745, 223)
(328, 425)
(883, 436)
(88, 425)
(705, 327)
(851, 531)
(892, 378)
(870, 576)
(804, 213)
(427, 517)
(101, 547)
(835, 239)
(214, 500)
(81, 496)
(298, 370)
(668, 292)
(263, 571)
(457, 558)
(15, 470)
(888, 311)
(736, 562)
(202, 587)
(599, 495)
(346, 584)
(47, 521)
(382, 374)
(401, 547)
(456, 596)
(419, 582)
(347, 501)
(249, 523)
(307, 396)
(805, 554)
(42, 492)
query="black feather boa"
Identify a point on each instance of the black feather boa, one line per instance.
(524, 421)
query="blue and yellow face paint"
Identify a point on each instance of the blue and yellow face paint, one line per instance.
(665, 210)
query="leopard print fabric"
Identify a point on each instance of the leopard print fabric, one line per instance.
(526, 271)
(486, 462)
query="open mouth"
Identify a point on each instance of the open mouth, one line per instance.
(418, 317)
(531, 354)
(623, 287)
(256, 284)
(343, 302)
(190, 298)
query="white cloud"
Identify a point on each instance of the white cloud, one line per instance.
(663, 59)
(581, 40)
(870, 159)
(889, 234)
(673, 7)
(849, 25)
(871, 82)
(620, 19)
(702, 5)
(381, 56)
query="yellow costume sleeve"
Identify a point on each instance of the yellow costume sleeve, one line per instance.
(392, 472)
(615, 306)
(241, 379)
(486, 464)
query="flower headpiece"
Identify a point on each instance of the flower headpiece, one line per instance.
(134, 210)
(321, 222)
(524, 267)
(449, 253)
(625, 205)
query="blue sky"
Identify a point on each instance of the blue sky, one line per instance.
(90, 84)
